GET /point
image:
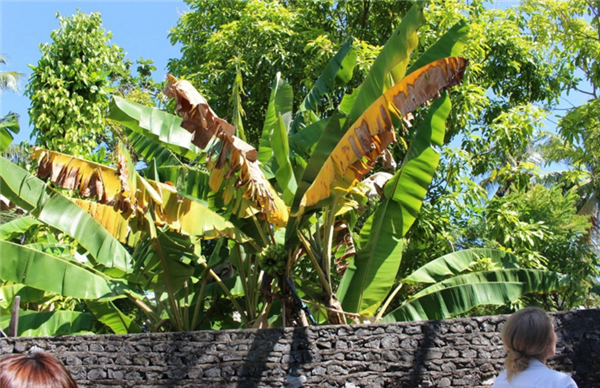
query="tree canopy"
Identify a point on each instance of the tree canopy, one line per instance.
(258, 39)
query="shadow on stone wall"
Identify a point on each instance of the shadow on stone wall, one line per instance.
(300, 354)
(256, 361)
(281, 357)
(415, 367)
(430, 335)
(578, 351)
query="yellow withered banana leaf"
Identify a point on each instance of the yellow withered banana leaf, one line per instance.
(107, 185)
(191, 218)
(259, 190)
(198, 117)
(365, 140)
(91, 180)
(185, 216)
(115, 212)
(126, 230)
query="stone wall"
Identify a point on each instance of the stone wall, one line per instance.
(450, 353)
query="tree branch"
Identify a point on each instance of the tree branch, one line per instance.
(365, 16)
(593, 94)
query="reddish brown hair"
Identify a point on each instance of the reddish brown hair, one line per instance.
(34, 370)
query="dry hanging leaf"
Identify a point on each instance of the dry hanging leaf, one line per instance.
(236, 162)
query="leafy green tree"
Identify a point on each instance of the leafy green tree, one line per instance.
(572, 39)
(254, 40)
(70, 85)
(497, 119)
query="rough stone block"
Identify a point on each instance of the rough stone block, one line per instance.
(96, 374)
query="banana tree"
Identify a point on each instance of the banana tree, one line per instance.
(283, 216)
(315, 164)
(93, 266)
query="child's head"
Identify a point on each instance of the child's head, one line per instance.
(34, 370)
(528, 333)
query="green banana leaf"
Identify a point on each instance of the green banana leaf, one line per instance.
(8, 124)
(409, 185)
(166, 262)
(17, 227)
(302, 142)
(53, 248)
(175, 275)
(162, 127)
(498, 275)
(332, 133)
(449, 45)
(128, 173)
(285, 172)
(348, 101)
(21, 264)
(454, 263)
(339, 68)
(8, 292)
(150, 151)
(111, 316)
(461, 293)
(394, 55)
(329, 139)
(280, 104)
(189, 181)
(58, 212)
(50, 323)
(372, 273)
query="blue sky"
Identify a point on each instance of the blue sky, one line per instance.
(139, 27)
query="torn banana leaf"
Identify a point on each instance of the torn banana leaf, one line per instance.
(365, 140)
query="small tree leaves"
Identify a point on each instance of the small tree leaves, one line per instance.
(68, 86)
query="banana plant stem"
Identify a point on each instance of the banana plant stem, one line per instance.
(320, 273)
(228, 293)
(388, 301)
(351, 315)
(328, 239)
(199, 300)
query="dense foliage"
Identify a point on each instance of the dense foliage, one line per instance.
(288, 234)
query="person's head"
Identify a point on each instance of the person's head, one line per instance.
(34, 370)
(528, 333)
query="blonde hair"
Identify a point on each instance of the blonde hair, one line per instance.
(526, 335)
(34, 370)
